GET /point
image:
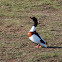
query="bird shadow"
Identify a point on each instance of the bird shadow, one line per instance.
(53, 47)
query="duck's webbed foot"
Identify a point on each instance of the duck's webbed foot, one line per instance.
(38, 46)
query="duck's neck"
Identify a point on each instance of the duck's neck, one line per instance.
(32, 29)
(35, 23)
(34, 26)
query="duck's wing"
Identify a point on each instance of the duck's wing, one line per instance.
(41, 40)
(37, 34)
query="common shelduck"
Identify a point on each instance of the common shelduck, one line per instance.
(34, 36)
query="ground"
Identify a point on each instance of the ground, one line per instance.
(15, 24)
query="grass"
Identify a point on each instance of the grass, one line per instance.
(15, 24)
(10, 8)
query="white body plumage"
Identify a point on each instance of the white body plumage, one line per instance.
(35, 38)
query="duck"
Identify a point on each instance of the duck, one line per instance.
(34, 36)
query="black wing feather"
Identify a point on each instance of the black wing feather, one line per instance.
(39, 37)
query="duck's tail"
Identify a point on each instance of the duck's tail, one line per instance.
(43, 45)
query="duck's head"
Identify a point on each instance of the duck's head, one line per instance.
(35, 21)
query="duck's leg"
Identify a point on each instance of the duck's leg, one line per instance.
(38, 46)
